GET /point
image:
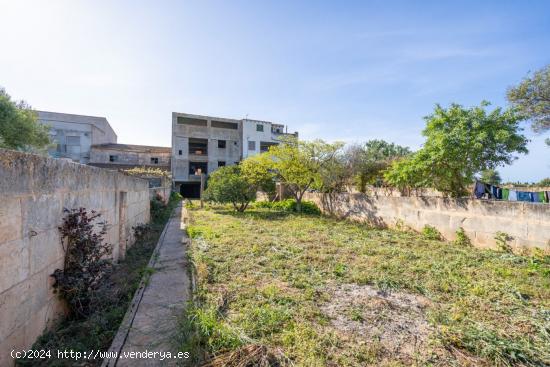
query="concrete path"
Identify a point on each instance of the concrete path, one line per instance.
(152, 321)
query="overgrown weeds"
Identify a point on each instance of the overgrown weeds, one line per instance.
(282, 269)
(431, 233)
(289, 205)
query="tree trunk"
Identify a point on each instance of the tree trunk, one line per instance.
(299, 202)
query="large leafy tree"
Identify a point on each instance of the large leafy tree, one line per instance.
(19, 128)
(369, 160)
(256, 170)
(227, 185)
(300, 165)
(532, 98)
(460, 142)
(490, 176)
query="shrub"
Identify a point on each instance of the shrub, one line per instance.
(228, 185)
(431, 233)
(86, 261)
(502, 240)
(289, 205)
(157, 209)
(462, 238)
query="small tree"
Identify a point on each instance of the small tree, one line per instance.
(371, 159)
(460, 142)
(19, 128)
(532, 98)
(228, 185)
(490, 176)
(300, 164)
(256, 170)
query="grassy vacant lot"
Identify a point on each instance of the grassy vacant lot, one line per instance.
(322, 292)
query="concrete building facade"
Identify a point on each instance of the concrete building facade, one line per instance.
(73, 135)
(125, 156)
(201, 144)
(259, 135)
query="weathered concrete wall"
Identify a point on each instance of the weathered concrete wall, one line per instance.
(33, 192)
(100, 154)
(527, 223)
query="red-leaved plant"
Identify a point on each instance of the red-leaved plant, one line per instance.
(86, 260)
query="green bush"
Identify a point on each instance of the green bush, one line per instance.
(502, 240)
(289, 205)
(462, 238)
(431, 233)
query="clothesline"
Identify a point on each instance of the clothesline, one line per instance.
(486, 191)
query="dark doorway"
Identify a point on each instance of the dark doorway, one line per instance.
(191, 190)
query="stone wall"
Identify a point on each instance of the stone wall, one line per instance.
(527, 223)
(33, 192)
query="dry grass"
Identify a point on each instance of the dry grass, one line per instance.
(252, 355)
(334, 293)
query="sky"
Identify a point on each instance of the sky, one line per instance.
(334, 70)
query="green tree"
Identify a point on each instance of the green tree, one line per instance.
(460, 143)
(19, 128)
(532, 98)
(545, 182)
(490, 176)
(371, 159)
(227, 185)
(256, 170)
(300, 164)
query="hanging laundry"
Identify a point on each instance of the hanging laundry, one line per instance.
(505, 194)
(525, 196)
(513, 195)
(479, 189)
(536, 197)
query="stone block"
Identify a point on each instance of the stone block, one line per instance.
(538, 232)
(17, 303)
(14, 263)
(41, 213)
(15, 341)
(10, 219)
(45, 249)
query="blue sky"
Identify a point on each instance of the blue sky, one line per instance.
(338, 70)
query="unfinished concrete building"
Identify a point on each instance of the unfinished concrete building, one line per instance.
(201, 144)
(73, 135)
(126, 156)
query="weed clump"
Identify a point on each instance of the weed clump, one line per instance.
(431, 233)
(502, 240)
(289, 205)
(462, 238)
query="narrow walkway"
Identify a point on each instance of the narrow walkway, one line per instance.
(151, 323)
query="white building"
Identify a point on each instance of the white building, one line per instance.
(259, 135)
(74, 135)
